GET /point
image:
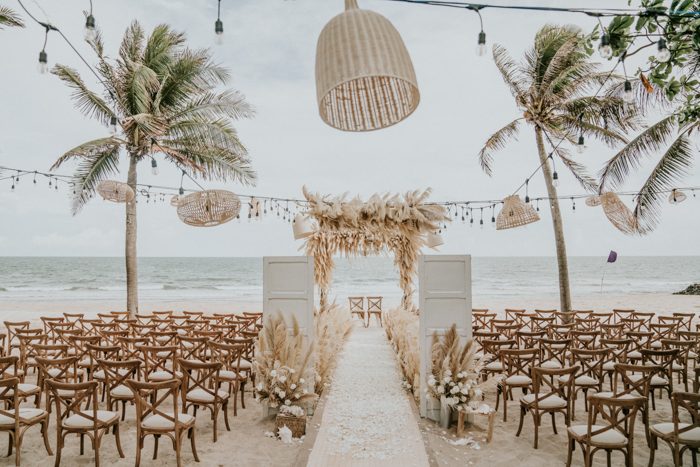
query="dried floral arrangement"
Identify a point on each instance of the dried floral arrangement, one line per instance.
(333, 327)
(283, 364)
(454, 377)
(353, 227)
(401, 326)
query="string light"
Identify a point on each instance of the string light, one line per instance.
(154, 166)
(43, 66)
(113, 125)
(481, 48)
(604, 47)
(219, 25)
(663, 55)
(90, 31)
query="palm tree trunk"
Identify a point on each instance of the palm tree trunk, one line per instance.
(132, 282)
(562, 260)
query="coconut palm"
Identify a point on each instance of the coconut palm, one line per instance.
(164, 97)
(672, 138)
(9, 18)
(555, 87)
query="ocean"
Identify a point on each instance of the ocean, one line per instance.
(49, 279)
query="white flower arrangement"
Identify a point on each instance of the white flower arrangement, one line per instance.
(455, 372)
(292, 410)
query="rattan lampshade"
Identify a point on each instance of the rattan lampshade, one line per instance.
(364, 76)
(433, 240)
(302, 227)
(618, 213)
(593, 201)
(676, 196)
(117, 192)
(515, 213)
(175, 200)
(208, 208)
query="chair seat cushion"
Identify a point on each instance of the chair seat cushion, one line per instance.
(583, 380)
(26, 389)
(518, 380)
(100, 374)
(55, 372)
(163, 375)
(549, 402)
(228, 375)
(158, 422)
(494, 366)
(677, 366)
(122, 391)
(658, 381)
(635, 354)
(551, 364)
(77, 421)
(607, 438)
(27, 414)
(200, 395)
(665, 429)
(245, 364)
(609, 366)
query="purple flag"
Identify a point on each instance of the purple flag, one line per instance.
(612, 257)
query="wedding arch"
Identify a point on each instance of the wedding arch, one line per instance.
(399, 224)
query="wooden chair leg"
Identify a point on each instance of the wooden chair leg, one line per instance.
(45, 434)
(118, 441)
(155, 446)
(139, 445)
(192, 442)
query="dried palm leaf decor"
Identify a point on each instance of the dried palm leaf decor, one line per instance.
(208, 208)
(117, 192)
(676, 196)
(364, 76)
(515, 213)
(352, 227)
(618, 213)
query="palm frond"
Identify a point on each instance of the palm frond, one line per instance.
(672, 166)
(8, 17)
(91, 171)
(578, 170)
(88, 150)
(497, 141)
(509, 71)
(645, 144)
(88, 102)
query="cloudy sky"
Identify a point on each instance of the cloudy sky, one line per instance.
(270, 49)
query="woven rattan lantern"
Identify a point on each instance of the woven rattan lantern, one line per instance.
(676, 196)
(515, 213)
(117, 192)
(433, 240)
(302, 227)
(593, 201)
(364, 75)
(618, 213)
(208, 208)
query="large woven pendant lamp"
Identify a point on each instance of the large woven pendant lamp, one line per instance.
(208, 208)
(515, 213)
(117, 192)
(618, 213)
(364, 76)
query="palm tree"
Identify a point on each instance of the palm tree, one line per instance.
(9, 18)
(672, 137)
(556, 87)
(164, 97)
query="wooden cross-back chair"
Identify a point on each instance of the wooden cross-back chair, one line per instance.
(229, 355)
(529, 339)
(548, 397)
(27, 352)
(162, 314)
(160, 362)
(47, 320)
(584, 339)
(590, 375)
(680, 363)
(663, 379)
(163, 338)
(193, 348)
(12, 327)
(130, 346)
(144, 318)
(618, 354)
(374, 308)
(687, 320)
(63, 369)
(587, 324)
(483, 321)
(517, 364)
(613, 331)
(512, 313)
(79, 344)
(73, 317)
(560, 331)
(116, 373)
(101, 352)
(541, 323)
(679, 434)
(647, 317)
(70, 419)
(16, 420)
(662, 331)
(357, 308)
(554, 353)
(153, 420)
(634, 381)
(603, 318)
(201, 388)
(620, 313)
(507, 331)
(613, 432)
(492, 349)
(227, 330)
(633, 324)
(480, 336)
(8, 369)
(640, 341)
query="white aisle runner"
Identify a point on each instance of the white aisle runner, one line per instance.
(368, 420)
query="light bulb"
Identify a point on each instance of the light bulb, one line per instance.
(113, 125)
(90, 33)
(628, 95)
(219, 30)
(604, 47)
(581, 145)
(43, 66)
(181, 191)
(555, 179)
(663, 54)
(154, 167)
(481, 48)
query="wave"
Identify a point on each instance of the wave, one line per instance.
(76, 288)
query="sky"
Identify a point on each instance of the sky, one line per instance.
(270, 48)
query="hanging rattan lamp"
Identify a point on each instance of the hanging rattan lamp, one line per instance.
(364, 76)
(117, 192)
(208, 208)
(593, 201)
(515, 213)
(618, 213)
(676, 196)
